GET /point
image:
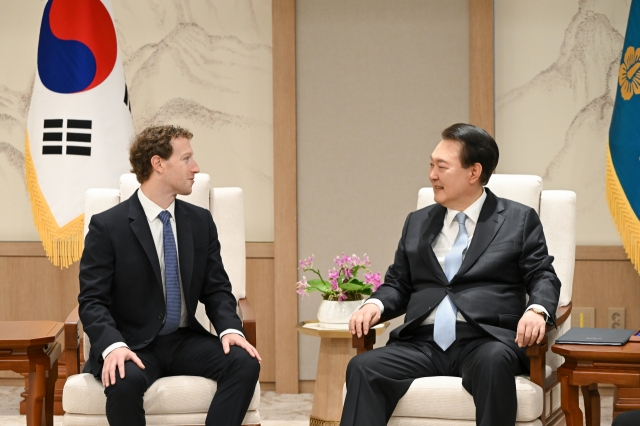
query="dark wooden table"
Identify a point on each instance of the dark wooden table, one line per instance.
(31, 347)
(585, 366)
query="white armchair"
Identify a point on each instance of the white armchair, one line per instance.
(443, 400)
(177, 400)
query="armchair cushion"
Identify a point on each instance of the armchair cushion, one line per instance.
(446, 396)
(84, 395)
(447, 399)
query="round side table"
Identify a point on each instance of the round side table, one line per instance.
(335, 354)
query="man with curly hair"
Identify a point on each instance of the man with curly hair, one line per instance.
(146, 264)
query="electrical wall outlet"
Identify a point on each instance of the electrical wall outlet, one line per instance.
(616, 318)
(583, 317)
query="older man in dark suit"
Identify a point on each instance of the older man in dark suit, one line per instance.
(461, 274)
(139, 290)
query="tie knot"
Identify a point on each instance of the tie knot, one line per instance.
(460, 217)
(165, 217)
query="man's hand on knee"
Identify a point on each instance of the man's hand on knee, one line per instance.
(116, 358)
(364, 318)
(233, 339)
(531, 329)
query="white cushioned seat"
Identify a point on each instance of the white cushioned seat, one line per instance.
(443, 401)
(444, 398)
(84, 395)
(176, 400)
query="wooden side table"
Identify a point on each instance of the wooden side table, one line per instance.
(335, 354)
(31, 347)
(585, 366)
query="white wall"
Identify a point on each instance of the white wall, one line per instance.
(556, 75)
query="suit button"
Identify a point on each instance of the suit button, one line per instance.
(160, 316)
(448, 287)
(146, 341)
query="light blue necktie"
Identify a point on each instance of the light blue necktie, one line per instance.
(444, 328)
(172, 280)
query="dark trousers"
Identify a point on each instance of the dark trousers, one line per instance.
(376, 380)
(188, 353)
(630, 418)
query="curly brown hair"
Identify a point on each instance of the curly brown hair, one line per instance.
(155, 140)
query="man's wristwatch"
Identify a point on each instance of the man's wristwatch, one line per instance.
(540, 312)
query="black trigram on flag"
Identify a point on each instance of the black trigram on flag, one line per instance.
(76, 131)
(127, 101)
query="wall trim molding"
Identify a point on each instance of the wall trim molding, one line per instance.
(601, 253)
(35, 249)
(22, 249)
(265, 250)
(259, 250)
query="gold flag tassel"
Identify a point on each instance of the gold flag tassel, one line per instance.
(63, 246)
(623, 215)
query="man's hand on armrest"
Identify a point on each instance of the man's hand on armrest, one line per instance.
(116, 358)
(364, 318)
(531, 329)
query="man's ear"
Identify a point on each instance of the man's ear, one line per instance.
(476, 172)
(156, 163)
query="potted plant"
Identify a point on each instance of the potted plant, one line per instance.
(342, 292)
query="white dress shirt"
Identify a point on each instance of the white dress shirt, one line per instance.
(444, 241)
(152, 210)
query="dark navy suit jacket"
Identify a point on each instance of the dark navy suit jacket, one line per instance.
(121, 295)
(506, 260)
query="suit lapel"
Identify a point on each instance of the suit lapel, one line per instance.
(185, 246)
(140, 227)
(431, 227)
(489, 222)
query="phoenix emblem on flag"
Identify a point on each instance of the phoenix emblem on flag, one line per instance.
(629, 74)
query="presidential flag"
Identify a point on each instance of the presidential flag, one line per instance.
(79, 124)
(623, 155)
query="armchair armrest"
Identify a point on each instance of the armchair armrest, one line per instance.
(248, 317)
(537, 353)
(72, 342)
(561, 316)
(537, 357)
(364, 343)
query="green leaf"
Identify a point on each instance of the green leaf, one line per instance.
(350, 286)
(317, 285)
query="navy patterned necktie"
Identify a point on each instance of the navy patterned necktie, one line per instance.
(172, 280)
(444, 328)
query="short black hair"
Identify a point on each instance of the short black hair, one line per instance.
(477, 147)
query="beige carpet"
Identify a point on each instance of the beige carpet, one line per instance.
(275, 409)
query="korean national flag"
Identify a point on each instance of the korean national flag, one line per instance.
(79, 124)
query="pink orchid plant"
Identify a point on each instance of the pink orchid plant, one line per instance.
(342, 283)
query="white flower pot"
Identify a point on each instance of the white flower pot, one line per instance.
(334, 312)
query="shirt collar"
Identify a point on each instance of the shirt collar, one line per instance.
(151, 209)
(472, 212)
